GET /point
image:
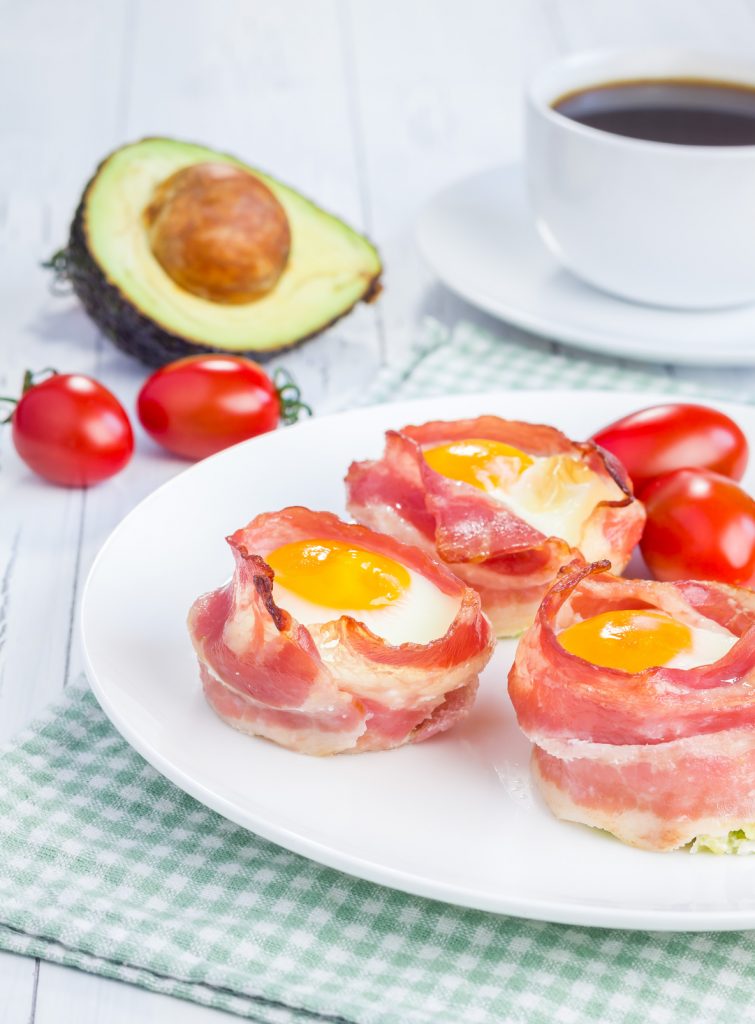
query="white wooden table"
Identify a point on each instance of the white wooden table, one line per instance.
(367, 107)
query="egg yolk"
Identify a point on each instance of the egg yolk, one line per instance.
(470, 460)
(631, 640)
(338, 575)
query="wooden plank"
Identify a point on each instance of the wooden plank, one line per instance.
(48, 155)
(439, 93)
(726, 25)
(40, 525)
(56, 63)
(60, 68)
(17, 986)
(72, 997)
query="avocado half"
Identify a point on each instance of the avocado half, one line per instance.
(127, 293)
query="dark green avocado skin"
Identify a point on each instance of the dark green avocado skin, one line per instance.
(134, 333)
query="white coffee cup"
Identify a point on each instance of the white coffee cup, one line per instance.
(659, 223)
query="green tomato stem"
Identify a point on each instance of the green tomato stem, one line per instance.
(58, 263)
(289, 396)
(13, 402)
(31, 379)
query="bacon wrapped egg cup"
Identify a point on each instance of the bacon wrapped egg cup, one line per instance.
(331, 638)
(640, 700)
(505, 504)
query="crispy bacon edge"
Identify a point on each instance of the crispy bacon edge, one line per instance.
(657, 757)
(337, 687)
(508, 562)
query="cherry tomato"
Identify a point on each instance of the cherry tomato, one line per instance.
(202, 404)
(700, 526)
(663, 438)
(71, 430)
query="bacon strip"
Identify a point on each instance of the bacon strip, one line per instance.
(558, 695)
(333, 687)
(508, 562)
(656, 757)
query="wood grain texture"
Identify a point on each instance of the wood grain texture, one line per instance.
(587, 24)
(247, 79)
(17, 988)
(438, 87)
(369, 109)
(71, 997)
(51, 61)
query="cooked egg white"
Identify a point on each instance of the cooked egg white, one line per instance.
(706, 647)
(555, 494)
(318, 581)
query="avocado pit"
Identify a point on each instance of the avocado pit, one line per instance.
(218, 232)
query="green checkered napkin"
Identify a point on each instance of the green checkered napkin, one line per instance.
(470, 359)
(104, 865)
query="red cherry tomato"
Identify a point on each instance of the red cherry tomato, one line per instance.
(71, 430)
(700, 526)
(663, 438)
(199, 405)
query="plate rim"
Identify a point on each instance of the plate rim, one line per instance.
(547, 910)
(584, 339)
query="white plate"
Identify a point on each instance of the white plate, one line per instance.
(455, 818)
(479, 238)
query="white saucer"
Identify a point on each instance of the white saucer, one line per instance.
(479, 239)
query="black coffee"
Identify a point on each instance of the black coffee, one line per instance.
(684, 111)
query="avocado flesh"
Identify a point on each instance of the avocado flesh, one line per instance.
(126, 291)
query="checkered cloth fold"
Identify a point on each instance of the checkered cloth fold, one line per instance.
(470, 359)
(105, 866)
